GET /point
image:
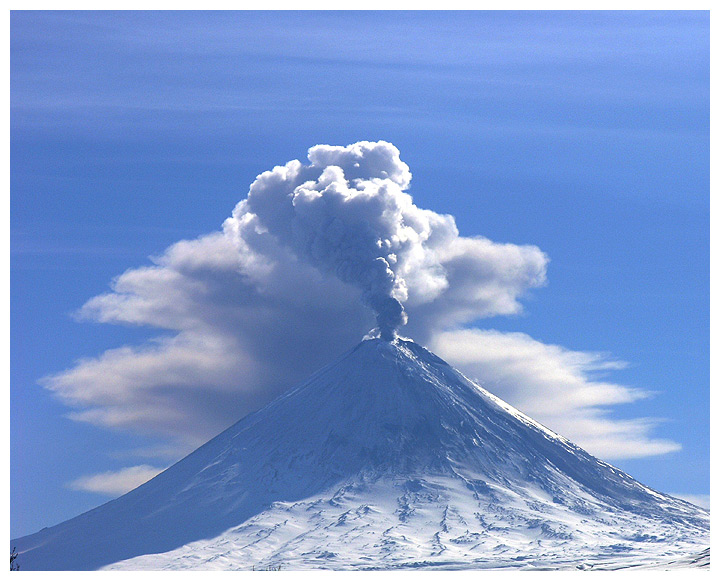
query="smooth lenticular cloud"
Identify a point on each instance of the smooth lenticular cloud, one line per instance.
(314, 257)
(115, 483)
(555, 386)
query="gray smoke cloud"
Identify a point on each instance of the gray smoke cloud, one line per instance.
(347, 213)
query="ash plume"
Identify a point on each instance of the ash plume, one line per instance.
(312, 247)
(347, 214)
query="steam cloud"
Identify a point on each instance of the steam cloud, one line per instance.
(262, 304)
(257, 307)
(347, 214)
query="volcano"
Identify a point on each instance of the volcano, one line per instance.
(388, 458)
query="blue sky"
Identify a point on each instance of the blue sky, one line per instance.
(583, 134)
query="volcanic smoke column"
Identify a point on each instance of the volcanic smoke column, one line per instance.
(347, 214)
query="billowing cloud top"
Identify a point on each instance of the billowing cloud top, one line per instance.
(347, 214)
(285, 287)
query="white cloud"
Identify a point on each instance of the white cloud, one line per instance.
(347, 214)
(556, 386)
(115, 483)
(702, 500)
(253, 309)
(243, 332)
(165, 451)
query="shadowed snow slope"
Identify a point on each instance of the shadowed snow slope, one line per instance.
(388, 457)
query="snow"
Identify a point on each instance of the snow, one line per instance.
(388, 458)
(427, 523)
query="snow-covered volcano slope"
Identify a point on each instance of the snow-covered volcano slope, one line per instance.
(387, 458)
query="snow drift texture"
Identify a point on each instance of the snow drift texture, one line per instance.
(387, 458)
